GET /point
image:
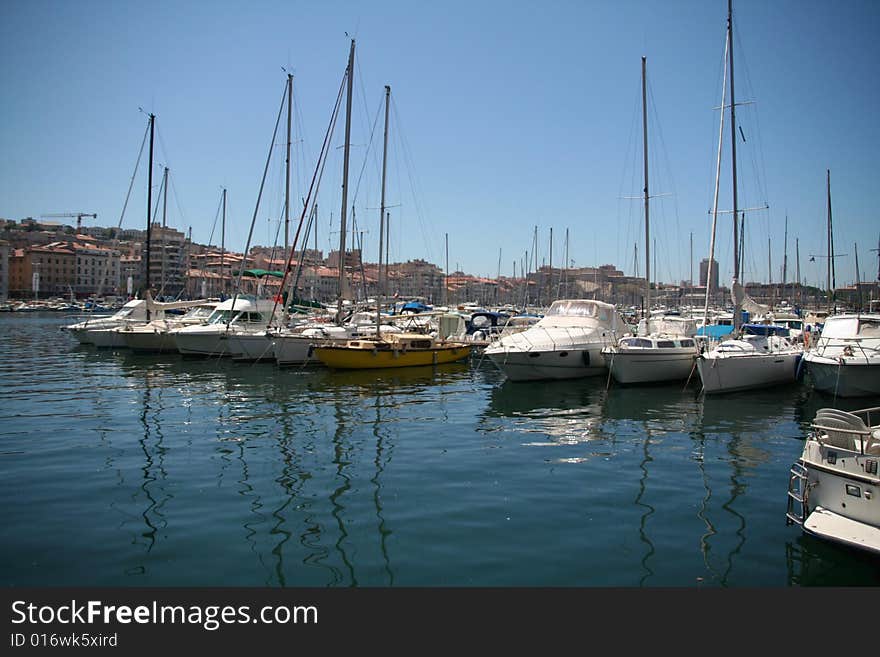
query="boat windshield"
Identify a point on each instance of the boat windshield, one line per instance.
(851, 327)
(869, 328)
(577, 308)
(198, 312)
(220, 317)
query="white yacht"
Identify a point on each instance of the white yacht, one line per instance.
(663, 350)
(134, 309)
(845, 359)
(211, 338)
(762, 356)
(157, 336)
(565, 344)
(834, 487)
(105, 331)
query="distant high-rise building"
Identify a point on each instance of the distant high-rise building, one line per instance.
(704, 273)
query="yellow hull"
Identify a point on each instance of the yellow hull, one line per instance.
(347, 358)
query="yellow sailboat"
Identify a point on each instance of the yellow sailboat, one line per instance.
(394, 350)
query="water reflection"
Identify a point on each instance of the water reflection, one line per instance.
(246, 474)
(548, 413)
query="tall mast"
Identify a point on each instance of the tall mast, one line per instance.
(164, 217)
(349, 80)
(691, 278)
(736, 263)
(550, 282)
(566, 262)
(446, 274)
(832, 283)
(797, 262)
(715, 200)
(287, 168)
(223, 248)
(149, 204)
(785, 255)
(858, 287)
(647, 223)
(382, 208)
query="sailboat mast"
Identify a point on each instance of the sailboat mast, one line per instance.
(550, 282)
(736, 263)
(349, 81)
(832, 283)
(858, 287)
(715, 200)
(287, 163)
(164, 218)
(446, 274)
(647, 222)
(382, 209)
(223, 248)
(566, 263)
(785, 256)
(149, 204)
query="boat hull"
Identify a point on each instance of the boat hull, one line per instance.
(339, 357)
(292, 350)
(250, 346)
(201, 344)
(109, 338)
(745, 372)
(841, 494)
(150, 341)
(548, 365)
(844, 380)
(629, 367)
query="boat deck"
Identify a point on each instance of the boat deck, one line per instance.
(831, 526)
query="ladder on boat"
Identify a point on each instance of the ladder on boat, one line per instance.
(797, 495)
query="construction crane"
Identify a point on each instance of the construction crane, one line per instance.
(79, 217)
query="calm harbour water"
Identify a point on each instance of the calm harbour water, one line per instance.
(119, 469)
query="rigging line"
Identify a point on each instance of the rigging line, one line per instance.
(136, 166)
(216, 216)
(412, 176)
(635, 212)
(177, 202)
(158, 199)
(669, 171)
(257, 207)
(369, 151)
(316, 178)
(366, 155)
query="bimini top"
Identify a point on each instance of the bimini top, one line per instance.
(415, 307)
(765, 329)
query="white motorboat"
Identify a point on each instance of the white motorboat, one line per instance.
(134, 309)
(845, 359)
(566, 343)
(654, 357)
(762, 356)
(157, 336)
(211, 338)
(834, 487)
(105, 331)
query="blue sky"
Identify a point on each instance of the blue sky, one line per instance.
(507, 116)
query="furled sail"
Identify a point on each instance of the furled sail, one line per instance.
(742, 300)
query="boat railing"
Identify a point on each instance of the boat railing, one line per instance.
(852, 431)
